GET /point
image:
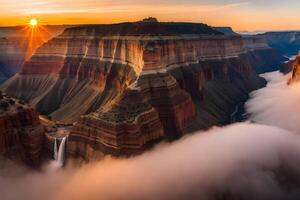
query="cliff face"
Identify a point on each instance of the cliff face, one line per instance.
(264, 58)
(288, 43)
(11, 59)
(21, 135)
(295, 69)
(134, 88)
(19, 43)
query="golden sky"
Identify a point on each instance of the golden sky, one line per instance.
(239, 14)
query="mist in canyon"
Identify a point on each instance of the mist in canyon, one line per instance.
(277, 104)
(241, 161)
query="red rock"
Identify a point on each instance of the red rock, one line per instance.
(21, 134)
(296, 70)
(180, 79)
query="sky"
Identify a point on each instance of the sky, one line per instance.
(242, 15)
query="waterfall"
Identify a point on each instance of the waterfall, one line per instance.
(61, 152)
(55, 149)
(59, 156)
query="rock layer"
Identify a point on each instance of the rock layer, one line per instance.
(11, 58)
(288, 43)
(135, 85)
(21, 135)
(127, 128)
(18, 43)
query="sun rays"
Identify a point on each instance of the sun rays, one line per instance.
(35, 35)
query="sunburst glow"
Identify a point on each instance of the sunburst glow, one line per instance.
(33, 22)
(35, 35)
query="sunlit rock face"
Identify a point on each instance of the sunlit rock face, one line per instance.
(129, 85)
(18, 43)
(21, 134)
(296, 70)
(127, 128)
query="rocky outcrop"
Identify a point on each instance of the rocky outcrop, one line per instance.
(137, 83)
(225, 30)
(21, 135)
(127, 128)
(296, 70)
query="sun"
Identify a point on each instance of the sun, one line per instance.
(33, 22)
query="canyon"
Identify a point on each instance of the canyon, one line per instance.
(287, 42)
(11, 59)
(124, 87)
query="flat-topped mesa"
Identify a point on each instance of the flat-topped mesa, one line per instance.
(21, 134)
(142, 28)
(296, 70)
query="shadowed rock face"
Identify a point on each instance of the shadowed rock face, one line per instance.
(11, 59)
(21, 135)
(288, 43)
(129, 85)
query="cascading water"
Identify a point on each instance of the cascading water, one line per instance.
(59, 155)
(61, 152)
(55, 149)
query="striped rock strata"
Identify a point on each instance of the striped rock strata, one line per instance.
(136, 83)
(21, 135)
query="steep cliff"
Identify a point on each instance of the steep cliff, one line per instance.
(21, 135)
(11, 59)
(263, 57)
(19, 43)
(288, 43)
(295, 69)
(136, 83)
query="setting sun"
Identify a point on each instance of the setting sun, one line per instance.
(33, 22)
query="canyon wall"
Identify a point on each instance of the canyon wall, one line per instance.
(18, 43)
(127, 86)
(21, 134)
(264, 58)
(11, 59)
(288, 43)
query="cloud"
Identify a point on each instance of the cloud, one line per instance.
(78, 6)
(277, 104)
(242, 161)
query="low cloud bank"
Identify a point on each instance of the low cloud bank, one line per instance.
(277, 104)
(240, 161)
